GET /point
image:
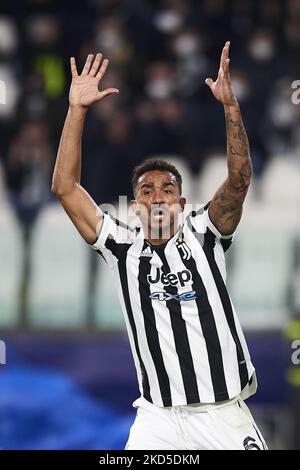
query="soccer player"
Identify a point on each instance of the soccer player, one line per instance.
(191, 358)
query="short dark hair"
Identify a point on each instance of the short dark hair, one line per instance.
(151, 164)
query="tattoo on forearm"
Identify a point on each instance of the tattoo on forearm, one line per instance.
(226, 206)
(245, 174)
(239, 161)
(236, 137)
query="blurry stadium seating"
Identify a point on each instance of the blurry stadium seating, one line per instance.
(59, 272)
(281, 184)
(107, 307)
(264, 245)
(10, 265)
(211, 178)
(262, 263)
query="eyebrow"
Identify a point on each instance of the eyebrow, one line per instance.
(151, 185)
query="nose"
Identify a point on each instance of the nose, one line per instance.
(157, 198)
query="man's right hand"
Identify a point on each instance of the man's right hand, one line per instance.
(84, 89)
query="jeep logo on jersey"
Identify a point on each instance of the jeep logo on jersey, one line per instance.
(170, 279)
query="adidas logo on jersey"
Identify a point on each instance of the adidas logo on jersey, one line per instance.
(146, 253)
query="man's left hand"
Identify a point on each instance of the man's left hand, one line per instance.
(221, 87)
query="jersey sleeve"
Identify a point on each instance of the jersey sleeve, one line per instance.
(203, 224)
(114, 237)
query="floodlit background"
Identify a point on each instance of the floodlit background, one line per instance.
(69, 378)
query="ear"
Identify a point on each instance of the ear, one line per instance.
(133, 205)
(182, 202)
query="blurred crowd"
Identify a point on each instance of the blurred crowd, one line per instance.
(160, 54)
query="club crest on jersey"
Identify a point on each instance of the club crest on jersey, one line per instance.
(183, 248)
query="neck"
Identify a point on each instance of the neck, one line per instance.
(157, 241)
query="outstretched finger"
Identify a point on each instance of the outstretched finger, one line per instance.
(87, 64)
(224, 55)
(73, 67)
(95, 65)
(102, 69)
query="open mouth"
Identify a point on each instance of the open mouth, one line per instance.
(159, 213)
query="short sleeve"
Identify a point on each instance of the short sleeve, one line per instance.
(203, 224)
(114, 237)
(213, 228)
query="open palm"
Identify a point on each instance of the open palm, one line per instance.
(221, 87)
(84, 89)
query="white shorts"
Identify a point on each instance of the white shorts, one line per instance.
(226, 426)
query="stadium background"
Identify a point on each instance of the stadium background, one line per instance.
(69, 379)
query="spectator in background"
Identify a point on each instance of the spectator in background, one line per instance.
(34, 103)
(188, 49)
(28, 170)
(282, 119)
(43, 35)
(44, 70)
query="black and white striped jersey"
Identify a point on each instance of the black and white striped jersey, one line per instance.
(186, 340)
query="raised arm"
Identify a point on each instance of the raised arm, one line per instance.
(225, 209)
(80, 207)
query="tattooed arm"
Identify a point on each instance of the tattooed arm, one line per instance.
(225, 209)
